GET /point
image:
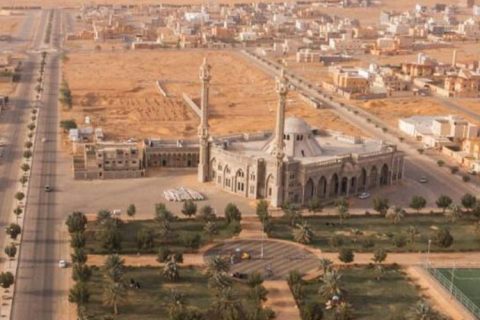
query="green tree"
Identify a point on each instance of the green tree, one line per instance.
(145, 239)
(170, 270)
(65, 95)
(114, 293)
(162, 214)
(131, 210)
(331, 285)
(232, 213)
(189, 208)
(342, 206)
(6, 279)
(110, 238)
(25, 167)
(314, 205)
(262, 210)
(81, 272)
(292, 213)
(192, 241)
(469, 201)
(443, 202)
(395, 214)
(76, 222)
(325, 264)
(346, 255)
(217, 264)
(66, 125)
(27, 154)
(379, 256)
(103, 216)
(79, 294)
(302, 233)
(19, 196)
(312, 311)
(17, 212)
(13, 230)
(11, 250)
(412, 233)
(418, 203)
(23, 180)
(206, 213)
(113, 268)
(79, 256)
(227, 306)
(454, 212)
(77, 240)
(210, 228)
(343, 311)
(443, 238)
(381, 205)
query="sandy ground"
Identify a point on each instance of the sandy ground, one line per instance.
(390, 110)
(117, 90)
(10, 24)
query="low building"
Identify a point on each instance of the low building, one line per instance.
(350, 80)
(171, 153)
(464, 84)
(108, 160)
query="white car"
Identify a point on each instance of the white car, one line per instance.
(44, 139)
(62, 264)
(364, 195)
(423, 180)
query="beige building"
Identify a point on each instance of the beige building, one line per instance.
(463, 84)
(108, 160)
(349, 80)
(295, 163)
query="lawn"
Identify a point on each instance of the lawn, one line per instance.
(180, 229)
(466, 282)
(365, 233)
(150, 302)
(393, 295)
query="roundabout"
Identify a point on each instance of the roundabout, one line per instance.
(273, 259)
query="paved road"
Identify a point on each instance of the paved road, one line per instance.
(455, 107)
(416, 165)
(41, 287)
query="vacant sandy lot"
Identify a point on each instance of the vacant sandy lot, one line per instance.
(10, 24)
(393, 109)
(117, 90)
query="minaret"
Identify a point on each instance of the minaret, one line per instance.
(282, 90)
(454, 58)
(203, 161)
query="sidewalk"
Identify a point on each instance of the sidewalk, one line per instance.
(280, 300)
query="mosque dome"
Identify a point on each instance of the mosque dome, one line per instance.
(295, 125)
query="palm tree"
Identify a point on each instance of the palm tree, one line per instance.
(114, 293)
(176, 304)
(454, 212)
(343, 311)
(113, 268)
(170, 270)
(302, 233)
(412, 233)
(342, 209)
(79, 294)
(219, 280)
(331, 284)
(396, 214)
(325, 264)
(226, 305)
(423, 311)
(216, 265)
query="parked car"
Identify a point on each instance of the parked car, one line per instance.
(62, 264)
(423, 180)
(48, 188)
(364, 195)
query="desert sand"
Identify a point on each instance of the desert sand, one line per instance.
(9, 24)
(391, 110)
(118, 91)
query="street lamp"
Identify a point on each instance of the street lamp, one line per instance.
(428, 250)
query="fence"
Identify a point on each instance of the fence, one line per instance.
(454, 291)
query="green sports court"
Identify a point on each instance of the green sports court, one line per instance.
(463, 283)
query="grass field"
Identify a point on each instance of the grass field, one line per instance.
(388, 298)
(465, 286)
(180, 229)
(365, 233)
(151, 301)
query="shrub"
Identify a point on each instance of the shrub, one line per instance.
(443, 238)
(440, 163)
(191, 240)
(346, 255)
(453, 170)
(368, 242)
(189, 208)
(399, 240)
(465, 178)
(337, 241)
(232, 213)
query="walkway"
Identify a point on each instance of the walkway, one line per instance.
(280, 300)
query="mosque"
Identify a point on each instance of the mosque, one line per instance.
(295, 163)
